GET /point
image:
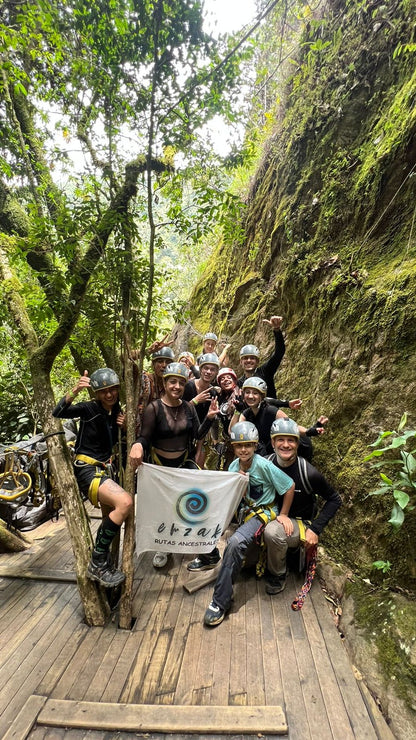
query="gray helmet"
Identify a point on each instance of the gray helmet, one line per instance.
(284, 428)
(210, 335)
(176, 370)
(165, 353)
(249, 349)
(189, 355)
(257, 384)
(104, 378)
(210, 358)
(244, 431)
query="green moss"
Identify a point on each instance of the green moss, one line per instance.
(390, 133)
(330, 245)
(389, 621)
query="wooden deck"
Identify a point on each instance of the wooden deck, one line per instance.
(262, 656)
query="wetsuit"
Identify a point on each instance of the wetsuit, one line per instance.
(263, 421)
(268, 369)
(97, 435)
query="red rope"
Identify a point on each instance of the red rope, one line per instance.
(311, 554)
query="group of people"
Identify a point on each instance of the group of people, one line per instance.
(181, 402)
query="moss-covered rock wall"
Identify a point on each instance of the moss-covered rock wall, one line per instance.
(331, 245)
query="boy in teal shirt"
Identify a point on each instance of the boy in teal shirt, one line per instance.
(258, 507)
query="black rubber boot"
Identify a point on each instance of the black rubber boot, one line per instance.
(100, 569)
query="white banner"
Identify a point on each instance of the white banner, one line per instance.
(179, 510)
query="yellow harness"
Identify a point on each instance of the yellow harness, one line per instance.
(266, 514)
(101, 469)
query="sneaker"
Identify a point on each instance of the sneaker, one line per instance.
(204, 562)
(275, 584)
(101, 570)
(213, 615)
(160, 559)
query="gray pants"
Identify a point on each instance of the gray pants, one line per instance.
(232, 559)
(277, 543)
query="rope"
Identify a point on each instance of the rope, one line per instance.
(311, 554)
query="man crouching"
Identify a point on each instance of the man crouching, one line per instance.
(265, 484)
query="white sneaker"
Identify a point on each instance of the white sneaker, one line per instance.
(160, 559)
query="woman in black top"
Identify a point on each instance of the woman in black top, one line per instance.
(170, 424)
(170, 429)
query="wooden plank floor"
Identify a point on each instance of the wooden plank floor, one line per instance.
(262, 654)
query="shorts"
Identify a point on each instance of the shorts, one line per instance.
(85, 474)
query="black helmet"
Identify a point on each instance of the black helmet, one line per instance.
(165, 353)
(104, 378)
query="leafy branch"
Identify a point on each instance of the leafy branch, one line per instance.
(391, 445)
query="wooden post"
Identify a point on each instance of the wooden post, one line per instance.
(10, 542)
(129, 481)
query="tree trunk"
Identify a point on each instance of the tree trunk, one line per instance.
(11, 542)
(95, 605)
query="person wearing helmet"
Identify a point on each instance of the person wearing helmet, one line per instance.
(170, 429)
(209, 344)
(259, 412)
(200, 391)
(307, 523)
(188, 359)
(152, 382)
(250, 358)
(229, 400)
(100, 421)
(268, 496)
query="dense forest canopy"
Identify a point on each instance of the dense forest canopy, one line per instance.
(99, 102)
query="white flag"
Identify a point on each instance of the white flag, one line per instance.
(179, 510)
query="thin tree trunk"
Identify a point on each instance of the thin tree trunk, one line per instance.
(11, 542)
(95, 605)
(129, 480)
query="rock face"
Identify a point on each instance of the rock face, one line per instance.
(330, 244)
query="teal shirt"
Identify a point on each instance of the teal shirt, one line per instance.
(265, 482)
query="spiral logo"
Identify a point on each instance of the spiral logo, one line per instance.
(191, 505)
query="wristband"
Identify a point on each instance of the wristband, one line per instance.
(195, 402)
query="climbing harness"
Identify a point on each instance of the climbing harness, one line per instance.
(101, 469)
(266, 514)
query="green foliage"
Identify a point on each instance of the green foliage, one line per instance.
(125, 82)
(383, 565)
(402, 486)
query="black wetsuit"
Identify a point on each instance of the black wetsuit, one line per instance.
(268, 369)
(263, 421)
(307, 488)
(98, 430)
